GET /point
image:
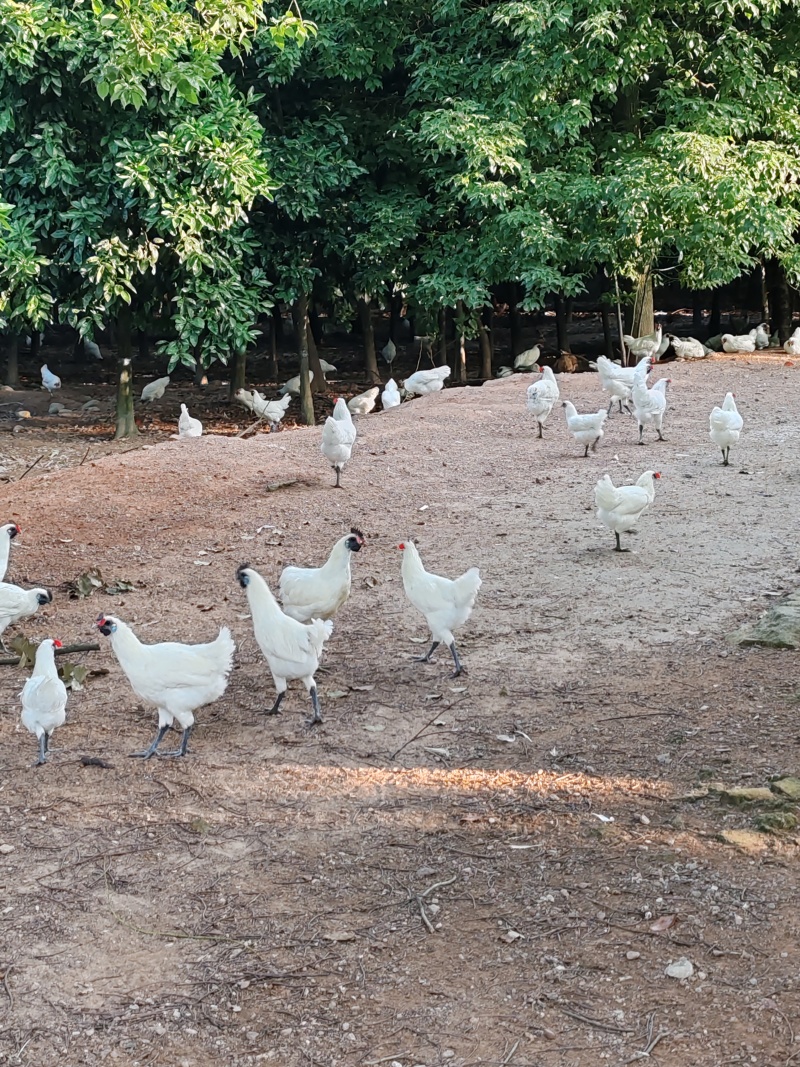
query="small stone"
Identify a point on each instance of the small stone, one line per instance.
(745, 840)
(644, 820)
(747, 795)
(681, 969)
(632, 955)
(6, 849)
(790, 787)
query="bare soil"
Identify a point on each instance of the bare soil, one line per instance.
(447, 871)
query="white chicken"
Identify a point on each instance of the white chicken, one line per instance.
(426, 381)
(618, 381)
(446, 603)
(270, 410)
(390, 397)
(649, 344)
(326, 367)
(619, 508)
(364, 402)
(50, 381)
(541, 396)
(762, 335)
(91, 349)
(176, 678)
(292, 387)
(792, 346)
(44, 698)
(17, 603)
(586, 429)
(7, 535)
(318, 592)
(187, 426)
(505, 372)
(338, 438)
(155, 390)
(292, 649)
(649, 406)
(739, 342)
(687, 347)
(389, 351)
(725, 426)
(527, 360)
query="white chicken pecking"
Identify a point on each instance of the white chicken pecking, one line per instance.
(446, 603)
(44, 698)
(389, 351)
(725, 426)
(292, 387)
(91, 349)
(390, 397)
(649, 406)
(746, 342)
(338, 438)
(155, 390)
(620, 507)
(187, 426)
(586, 429)
(792, 346)
(687, 347)
(177, 679)
(17, 603)
(426, 381)
(7, 535)
(541, 396)
(318, 592)
(50, 381)
(364, 402)
(528, 360)
(292, 649)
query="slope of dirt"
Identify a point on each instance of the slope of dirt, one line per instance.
(447, 871)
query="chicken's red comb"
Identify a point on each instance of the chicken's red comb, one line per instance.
(401, 545)
(57, 643)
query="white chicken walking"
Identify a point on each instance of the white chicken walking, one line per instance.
(649, 406)
(44, 698)
(50, 381)
(292, 387)
(272, 411)
(586, 429)
(725, 425)
(426, 381)
(17, 604)
(187, 426)
(291, 648)
(7, 535)
(541, 396)
(390, 397)
(619, 508)
(318, 592)
(155, 390)
(618, 381)
(338, 438)
(178, 679)
(364, 402)
(446, 603)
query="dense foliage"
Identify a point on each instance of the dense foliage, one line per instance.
(177, 167)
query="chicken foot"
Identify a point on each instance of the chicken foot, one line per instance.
(181, 750)
(44, 742)
(725, 452)
(316, 718)
(540, 431)
(148, 752)
(276, 707)
(427, 657)
(618, 547)
(456, 660)
(338, 475)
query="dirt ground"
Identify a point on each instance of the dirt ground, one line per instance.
(446, 872)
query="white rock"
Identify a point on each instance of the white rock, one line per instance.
(680, 969)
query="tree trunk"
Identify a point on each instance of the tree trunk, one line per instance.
(126, 423)
(563, 314)
(315, 325)
(643, 311)
(272, 368)
(715, 318)
(442, 336)
(36, 345)
(608, 337)
(318, 384)
(300, 320)
(395, 307)
(762, 278)
(779, 301)
(277, 319)
(460, 370)
(12, 360)
(368, 334)
(698, 306)
(485, 340)
(239, 376)
(144, 345)
(515, 321)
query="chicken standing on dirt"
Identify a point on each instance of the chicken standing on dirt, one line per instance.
(619, 508)
(586, 429)
(44, 698)
(426, 381)
(541, 396)
(155, 390)
(338, 438)
(618, 381)
(187, 426)
(176, 678)
(725, 426)
(7, 535)
(652, 344)
(390, 397)
(291, 648)
(445, 603)
(292, 387)
(318, 592)
(17, 603)
(649, 406)
(50, 381)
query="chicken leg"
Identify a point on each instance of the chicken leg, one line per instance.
(276, 707)
(181, 750)
(618, 547)
(317, 716)
(641, 434)
(43, 745)
(338, 474)
(661, 437)
(456, 660)
(427, 657)
(725, 452)
(148, 752)
(540, 430)
(586, 452)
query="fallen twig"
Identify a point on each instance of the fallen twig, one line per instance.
(7, 987)
(595, 1023)
(12, 661)
(507, 1059)
(249, 429)
(85, 454)
(30, 468)
(416, 735)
